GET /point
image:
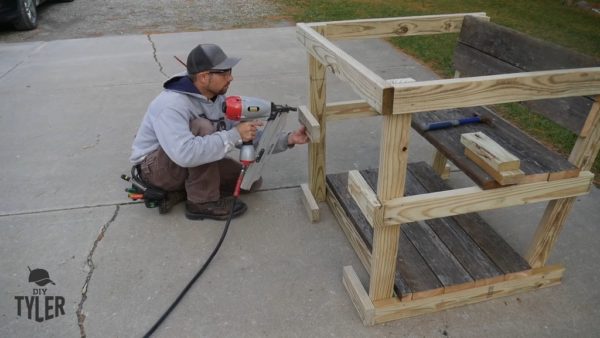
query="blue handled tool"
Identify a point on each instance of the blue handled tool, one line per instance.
(452, 123)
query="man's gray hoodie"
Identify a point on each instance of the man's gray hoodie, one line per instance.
(167, 125)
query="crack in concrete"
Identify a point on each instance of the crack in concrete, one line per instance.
(160, 67)
(90, 263)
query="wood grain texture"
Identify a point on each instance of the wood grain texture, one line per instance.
(389, 310)
(313, 128)
(349, 109)
(490, 152)
(440, 165)
(317, 96)
(475, 227)
(473, 199)
(349, 228)
(359, 296)
(583, 154)
(461, 246)
(363, 195)
(393, 161)
(402, 26)
(502, 177)
(537, 161)
(569, 112)
(365, 82)
(493, 89)
(310, 204)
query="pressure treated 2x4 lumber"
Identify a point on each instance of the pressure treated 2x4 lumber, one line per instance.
(391, 27)
(493, 89)
(313, 128)
(393, 162)
(473, 199)
(317, 96)
(491, 152)
(583, 155)
(391, 309)
(370, 86)
(349, 109)
(363, 195)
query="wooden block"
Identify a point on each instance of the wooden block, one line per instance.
(440, 165)
(359, 296)
(363, 195)
(349, 109)
(312, 208)
(313, 129)
(502, 177)
(490, 152)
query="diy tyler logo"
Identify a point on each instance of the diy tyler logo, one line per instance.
(40, 306)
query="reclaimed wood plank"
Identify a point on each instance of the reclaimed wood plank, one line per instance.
(338, 185)
(500, 252)
(479, 266)
(410, 266)
(569, 112)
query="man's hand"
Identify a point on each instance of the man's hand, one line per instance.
(248, 130)
(298, 136)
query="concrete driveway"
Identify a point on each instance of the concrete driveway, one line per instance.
(68, 113)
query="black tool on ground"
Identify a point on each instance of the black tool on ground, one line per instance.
(453, 123)
(153, 197)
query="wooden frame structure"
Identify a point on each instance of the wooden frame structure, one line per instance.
(386, 208)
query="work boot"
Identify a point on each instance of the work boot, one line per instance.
(218, 210)
(171, 199)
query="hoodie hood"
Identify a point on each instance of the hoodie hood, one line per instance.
(182, 84)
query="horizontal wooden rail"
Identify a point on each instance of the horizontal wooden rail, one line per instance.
(393, 309)
(473, 199)
(349, 109)
(390, 27)
(492, 89)
(370, 86)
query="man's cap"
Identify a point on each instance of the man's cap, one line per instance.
(209, 56)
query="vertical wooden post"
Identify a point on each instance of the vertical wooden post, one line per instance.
(317, 92)
(583, 155)
(440, 165)
(393, 157)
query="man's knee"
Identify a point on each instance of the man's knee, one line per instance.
(201, 127)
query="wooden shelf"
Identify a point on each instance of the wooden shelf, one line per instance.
(436, 256)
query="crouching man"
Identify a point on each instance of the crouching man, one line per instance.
(182, 142)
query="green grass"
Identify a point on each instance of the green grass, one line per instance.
(553, 21)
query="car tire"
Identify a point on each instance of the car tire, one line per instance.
(27, 19)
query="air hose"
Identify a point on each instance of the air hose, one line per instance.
(198, 274)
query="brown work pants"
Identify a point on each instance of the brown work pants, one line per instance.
(204, 183)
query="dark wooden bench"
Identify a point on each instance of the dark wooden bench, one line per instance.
(485, 48)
